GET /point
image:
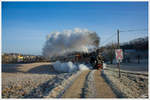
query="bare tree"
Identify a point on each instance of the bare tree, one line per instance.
(109, 51)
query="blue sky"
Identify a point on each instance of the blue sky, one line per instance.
(26, 24)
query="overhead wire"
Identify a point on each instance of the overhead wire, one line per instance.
(109, 38)
(134, 30)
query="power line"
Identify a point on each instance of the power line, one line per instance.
(108, 39)
(134, 30)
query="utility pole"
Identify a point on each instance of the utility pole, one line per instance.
(118, 65)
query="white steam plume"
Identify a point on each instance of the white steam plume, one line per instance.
(77, 40)
(68, 67)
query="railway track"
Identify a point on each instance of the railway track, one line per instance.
(129, 72)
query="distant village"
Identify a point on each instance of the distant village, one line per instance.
(21, 58)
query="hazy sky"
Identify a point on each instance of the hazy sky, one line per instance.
(26, 24)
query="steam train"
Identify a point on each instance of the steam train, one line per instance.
(94, 59)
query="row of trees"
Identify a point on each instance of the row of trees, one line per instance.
(137, 44)
(108, 52)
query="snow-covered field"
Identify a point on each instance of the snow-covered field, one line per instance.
(130, 85)
(41, 80)
(35, 80)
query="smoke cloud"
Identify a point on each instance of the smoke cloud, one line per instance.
(77, 40)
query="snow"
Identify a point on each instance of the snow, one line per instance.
(133, 66)
(64, 67)
(104, 65)
(90, 89)
(83, 67)
(68, 67)
(129, 85)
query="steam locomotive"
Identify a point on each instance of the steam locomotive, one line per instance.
(93, 58)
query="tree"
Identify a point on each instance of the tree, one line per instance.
(109, 52)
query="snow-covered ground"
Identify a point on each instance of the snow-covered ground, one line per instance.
(41, 80)
(35, 80)
(130, 85)
(133, 66)
(90, 89)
